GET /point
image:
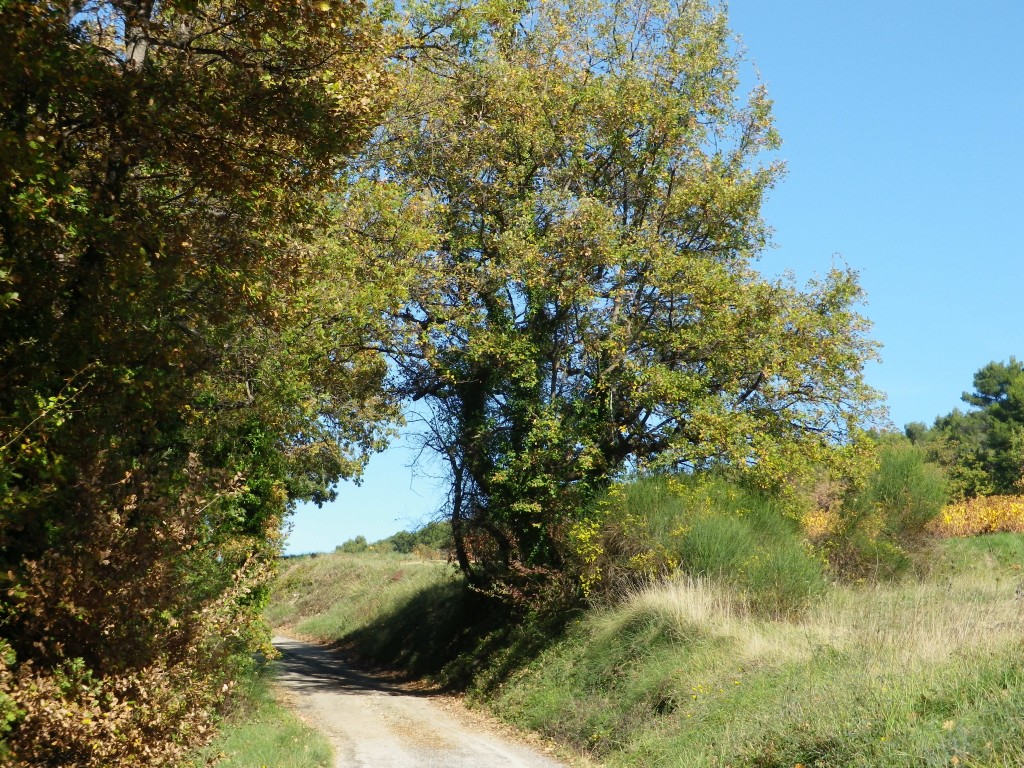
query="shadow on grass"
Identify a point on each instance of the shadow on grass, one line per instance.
(457, 637)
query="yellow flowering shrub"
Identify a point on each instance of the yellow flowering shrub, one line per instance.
(983, 514)
(588, 544)
(819, 523)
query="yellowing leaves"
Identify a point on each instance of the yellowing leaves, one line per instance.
(983, 514)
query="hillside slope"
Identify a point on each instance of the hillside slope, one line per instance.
(928, 671)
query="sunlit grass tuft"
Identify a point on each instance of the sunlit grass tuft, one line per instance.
(261, 732)
(912, 624)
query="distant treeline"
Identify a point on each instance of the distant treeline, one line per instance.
(433, 537)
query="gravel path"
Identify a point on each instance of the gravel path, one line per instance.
(373, 722)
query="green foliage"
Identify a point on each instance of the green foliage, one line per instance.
(353, 546)
(402, 542)
(179, 361)
(576, 187)
(906, 491)
(434, 537)
(883, 519)
(704, 527)
(8, 706)
(982, 450)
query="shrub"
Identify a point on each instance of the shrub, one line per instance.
(353, 546)
(883, 522)
(432, 540)
(984, 514)
(702, 526)
(123, 661)
(403, 542)
(906, 491)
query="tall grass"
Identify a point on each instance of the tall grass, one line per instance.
(894, 674)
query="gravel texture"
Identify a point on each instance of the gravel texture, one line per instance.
(376, 722)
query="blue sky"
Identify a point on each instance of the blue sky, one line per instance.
(903, 131)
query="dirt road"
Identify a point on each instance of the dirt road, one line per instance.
(374, 722)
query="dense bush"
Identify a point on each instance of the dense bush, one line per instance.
(982, 514)
(702, 526)
(883, 521)
(906, 492)
(353, 546)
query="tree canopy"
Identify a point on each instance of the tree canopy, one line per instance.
(574, 191)
(982, 449)
(174, 371)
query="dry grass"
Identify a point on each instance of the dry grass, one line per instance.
(699, 607)
(922, 624)
(917, 624)
(328, 596)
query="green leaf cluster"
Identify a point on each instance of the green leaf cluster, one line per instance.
(181, 358)
(575, 188)
(981, 449)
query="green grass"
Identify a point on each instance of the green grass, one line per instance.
(686, 673)
(328, 597)
(413, 615)
(1001, 554)
(682, 674)
(260, 732)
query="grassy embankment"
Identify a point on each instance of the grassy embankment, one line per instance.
(340, 593)
(928, 670)
(262, 733)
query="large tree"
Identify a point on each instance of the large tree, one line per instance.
(982, 449)
(172, 371)
(574, 188)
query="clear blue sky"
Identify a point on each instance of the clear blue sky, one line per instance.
(903, 130)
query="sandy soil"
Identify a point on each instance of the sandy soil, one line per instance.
(374, 722)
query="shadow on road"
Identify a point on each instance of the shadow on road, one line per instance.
(314, 668)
